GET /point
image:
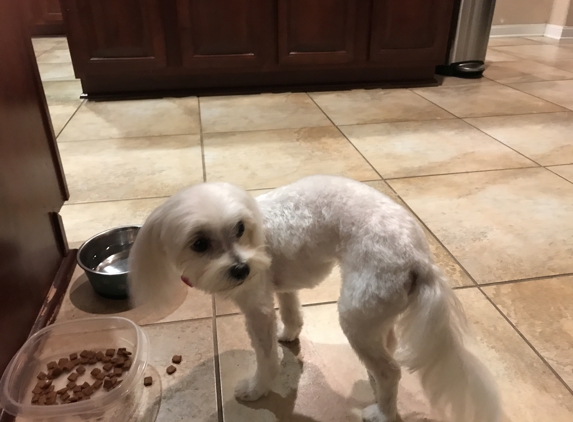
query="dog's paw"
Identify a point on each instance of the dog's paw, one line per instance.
(288, 334)
(250, 390)
(372, 413)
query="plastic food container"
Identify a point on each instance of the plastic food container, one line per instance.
(60, 340)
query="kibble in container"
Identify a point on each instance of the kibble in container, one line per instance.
(61, 340)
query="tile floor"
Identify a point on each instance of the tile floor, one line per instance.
(486, 165)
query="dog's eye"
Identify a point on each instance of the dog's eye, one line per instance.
(200, 245)
(240, 229)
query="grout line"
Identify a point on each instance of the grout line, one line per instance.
(151, 324)
(67, 121)
(129, 137)
(201, 141)
(116, 200)
(346, 137)
(463, 172)
(517, 280)
(217, 362)
(524, 338)
(557, 174)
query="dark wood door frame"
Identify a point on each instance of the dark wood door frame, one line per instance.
(35, 263)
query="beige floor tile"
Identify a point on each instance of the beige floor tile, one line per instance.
(189, 395)
(528, 387)
(122, 119)
(431, 147)
(524, 71)
(564, 171)
(486, 99)
(541, 310)
(545, 138)
(493, 55)
(558, 92)
(55, 56)
(131, 168)
(260, 112)
(502, 41)
(313, 385)
(449, 81)
(546, 40)
(61, 114)
(543, 52)
(47, 43)
(566, 65)
(500, 225)
(81, 301)
(56, 71)
(376, 106)
(58, 92)
(83, 221)
(266, 159)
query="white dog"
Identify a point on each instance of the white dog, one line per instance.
(217, 238)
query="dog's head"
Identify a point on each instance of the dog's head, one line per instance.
(209, 235)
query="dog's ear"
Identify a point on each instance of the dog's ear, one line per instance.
(152, 272)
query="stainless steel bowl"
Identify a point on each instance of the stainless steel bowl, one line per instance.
(104, 259)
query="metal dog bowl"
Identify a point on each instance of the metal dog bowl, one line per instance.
(104, 259)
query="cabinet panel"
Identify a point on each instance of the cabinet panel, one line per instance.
(45, 17)
(317, 31)
(410, 30)
(225, 33)
(111, 34)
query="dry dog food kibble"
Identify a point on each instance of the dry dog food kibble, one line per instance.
(171, 369)
(44, 392)
(147, 381)
(176, 359)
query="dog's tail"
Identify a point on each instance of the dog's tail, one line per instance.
(430, 334)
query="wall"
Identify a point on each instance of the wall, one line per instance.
(515, 12)
(559, 12)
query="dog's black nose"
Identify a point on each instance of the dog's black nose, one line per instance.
(240, 271)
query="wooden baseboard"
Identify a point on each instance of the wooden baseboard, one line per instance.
(53, 300)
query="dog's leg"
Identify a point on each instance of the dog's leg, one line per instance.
(291, 316)
(369, 330)
(261, 326)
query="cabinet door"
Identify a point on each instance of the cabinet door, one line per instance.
(317, 31)
(408, 31)
(225, 33)
(112, 35)
(46, 17)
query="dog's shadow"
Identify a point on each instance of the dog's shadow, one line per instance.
(303, 393)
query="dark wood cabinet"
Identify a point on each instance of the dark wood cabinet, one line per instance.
(317, 31)
(224, 33)
(45, 17)
(35, 264)
(151, 47)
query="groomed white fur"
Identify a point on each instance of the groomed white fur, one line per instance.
(392, 295)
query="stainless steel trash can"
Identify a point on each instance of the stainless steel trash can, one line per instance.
(469, 46)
